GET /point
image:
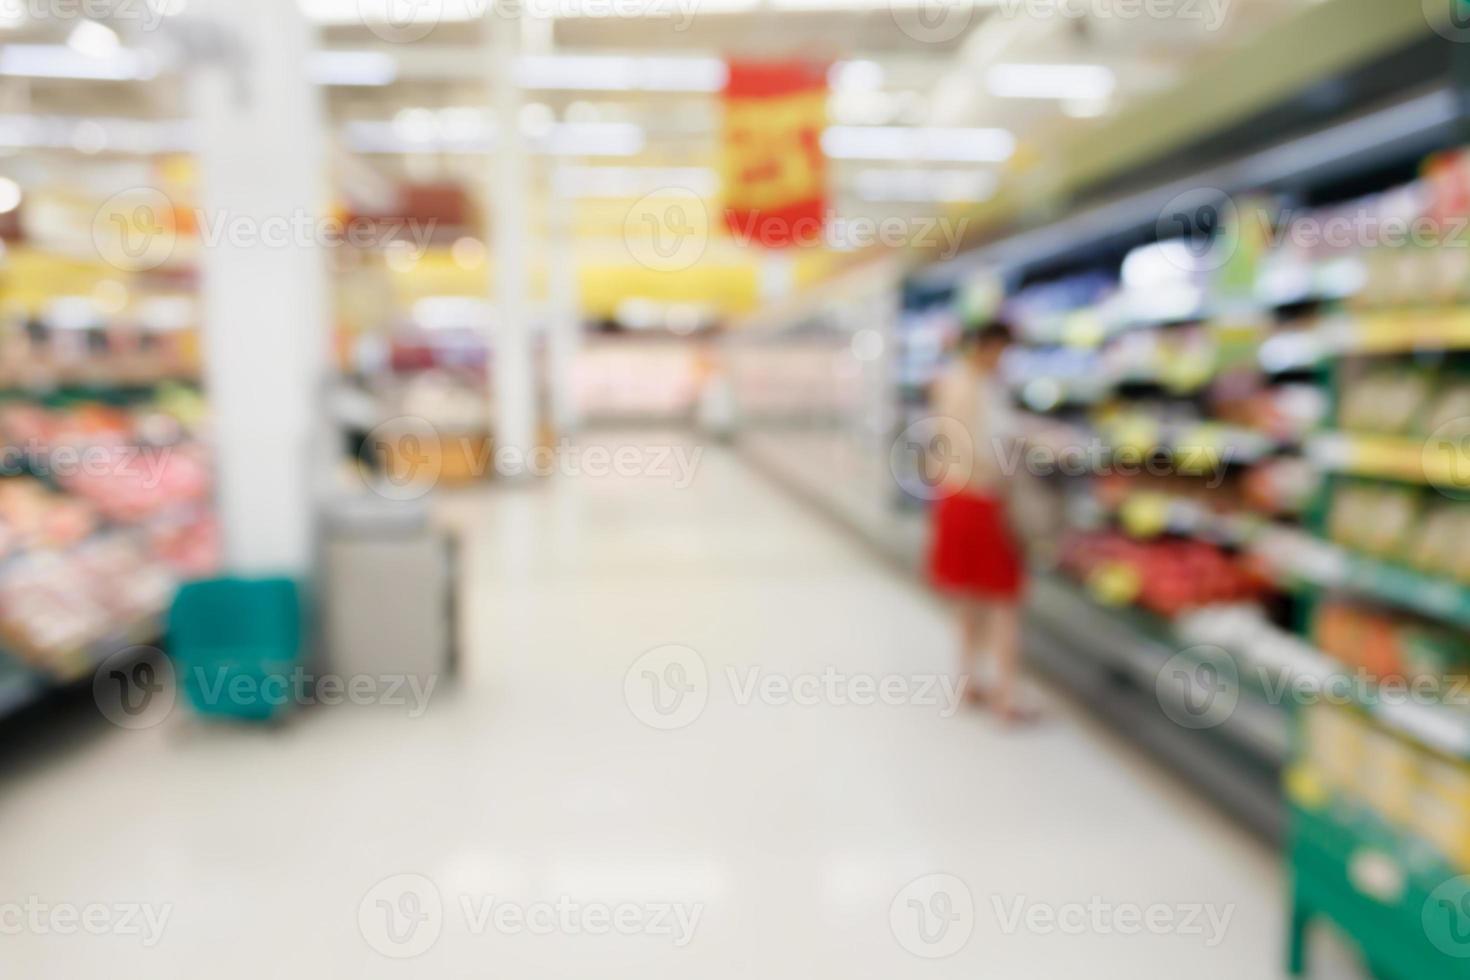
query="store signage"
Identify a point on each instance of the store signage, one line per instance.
(775, 174)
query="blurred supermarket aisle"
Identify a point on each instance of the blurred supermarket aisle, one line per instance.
(784, 835)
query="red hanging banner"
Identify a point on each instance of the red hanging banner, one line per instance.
(775, 175)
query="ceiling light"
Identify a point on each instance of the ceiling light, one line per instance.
(590, 139)
(924, 143)
(1085, 108)
(634, 182)
(93, 40)
(422, 131)
(394, 12)
(617, 73)
(922, 186)
(351, 68)
(62, 61)
(855, 76)
(1015, 81)
(137, 136)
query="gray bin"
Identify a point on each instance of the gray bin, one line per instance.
(389, 589)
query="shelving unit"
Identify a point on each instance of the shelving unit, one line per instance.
(1227, 381)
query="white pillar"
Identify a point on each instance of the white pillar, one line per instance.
(564, 306)
(513, 377)
(264, 291)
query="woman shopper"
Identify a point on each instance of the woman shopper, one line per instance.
(975, 558)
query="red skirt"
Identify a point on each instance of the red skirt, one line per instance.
(973, 552)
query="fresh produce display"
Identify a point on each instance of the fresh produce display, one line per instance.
(104, 509)
(1295, 424)
(1165, 576)
(1389, 646)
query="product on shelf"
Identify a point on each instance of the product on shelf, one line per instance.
(1386, 400)
(1409, 526)
(1165, 576)
(1389, 646)
(103, 509)
(1345, 757)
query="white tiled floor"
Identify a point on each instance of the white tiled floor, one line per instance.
(796, 829)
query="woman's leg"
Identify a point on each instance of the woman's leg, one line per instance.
(1004, 621)
(974, 636)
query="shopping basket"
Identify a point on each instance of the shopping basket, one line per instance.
(236, 643)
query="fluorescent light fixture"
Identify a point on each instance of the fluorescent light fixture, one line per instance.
(93, 40)
(617, 73)
(351, 68)
(143, 137)
(859, 76)
(1017, 81)
(633, 182)
(922, 143)
(424, 131)
(603, 10)
(452, 313)
(1085, 108)
(921, 186)
(62, 61)
(591, 139)
(396, 12)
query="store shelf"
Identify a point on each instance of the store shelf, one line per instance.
(1243, 782)
(1403, 331)
(1437, 462)
(1289, 658)
(1304, 558)
(1140, 647)
(1148, 515)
